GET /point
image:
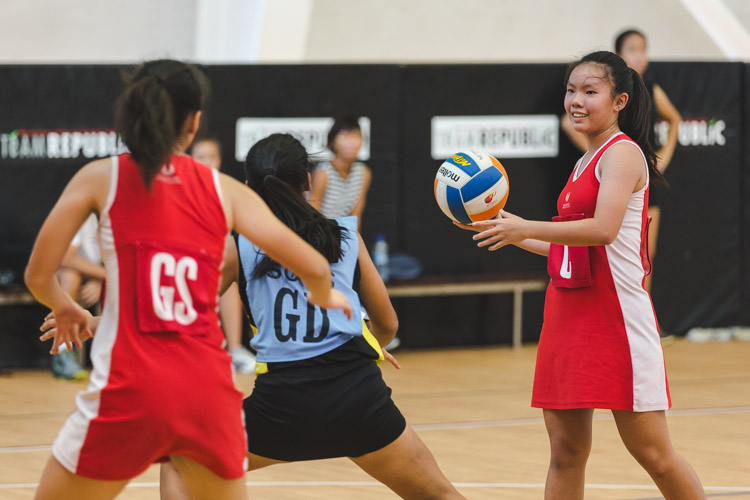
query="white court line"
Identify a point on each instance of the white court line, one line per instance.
(480, 424)
(724, 489)
(24, 449)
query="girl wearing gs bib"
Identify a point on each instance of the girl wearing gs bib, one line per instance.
(162, 385)
(600, 346)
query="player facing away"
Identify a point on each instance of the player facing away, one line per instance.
(599, 346)
(319, 392)
(162, 384)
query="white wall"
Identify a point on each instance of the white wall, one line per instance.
(95, 31)
(497, 30)
(741, 9)
(290, 31)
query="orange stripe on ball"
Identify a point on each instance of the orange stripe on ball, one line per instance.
(488, 214)
(500, 167)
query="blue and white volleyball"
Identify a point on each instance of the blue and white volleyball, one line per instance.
(471, 186)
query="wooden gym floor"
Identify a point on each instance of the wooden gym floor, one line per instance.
(471, 407)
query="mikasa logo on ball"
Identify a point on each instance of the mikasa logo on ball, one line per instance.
(454, 176)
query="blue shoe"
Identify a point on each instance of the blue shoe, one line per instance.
(65, 366)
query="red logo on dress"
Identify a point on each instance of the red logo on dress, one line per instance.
(489, 198)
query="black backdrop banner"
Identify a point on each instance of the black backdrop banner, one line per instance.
(476, 91)
(54, 120)
(698, 265)
(57, 118)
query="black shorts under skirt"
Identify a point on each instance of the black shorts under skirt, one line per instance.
(333, 405)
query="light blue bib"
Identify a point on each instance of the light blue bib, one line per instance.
(290, 328)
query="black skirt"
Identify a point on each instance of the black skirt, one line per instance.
(332, 405)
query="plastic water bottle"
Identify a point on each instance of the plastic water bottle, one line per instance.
(380, 257)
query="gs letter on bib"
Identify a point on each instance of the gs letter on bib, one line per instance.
(173, 288)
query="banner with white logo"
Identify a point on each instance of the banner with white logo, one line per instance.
(511, 136)
(42, 144)
(694, 132)
(311, 132)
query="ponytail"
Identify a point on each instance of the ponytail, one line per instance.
(151, 112)
(635, 121)
(145, 118)
(276, 168)
(635, 118)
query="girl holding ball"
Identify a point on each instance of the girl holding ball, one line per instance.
(599, 346)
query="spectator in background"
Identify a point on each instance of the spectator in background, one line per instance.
(81, 275)
(208, 152)
(339, 187)
(631, 46)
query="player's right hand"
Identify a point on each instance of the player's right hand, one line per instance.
(335, 300)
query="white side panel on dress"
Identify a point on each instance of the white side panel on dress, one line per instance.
(647, 357)
(67, 447)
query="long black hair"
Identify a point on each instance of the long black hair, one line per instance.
(277, 169)
(635, 118)
(151, 112)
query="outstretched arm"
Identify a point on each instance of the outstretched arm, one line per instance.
(623, 172)
(534, 246)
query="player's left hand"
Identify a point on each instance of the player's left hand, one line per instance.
(504, 229)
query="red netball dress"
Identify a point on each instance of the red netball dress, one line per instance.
(162, 383)
(600, 345)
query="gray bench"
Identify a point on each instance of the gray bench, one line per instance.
(475, 285)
